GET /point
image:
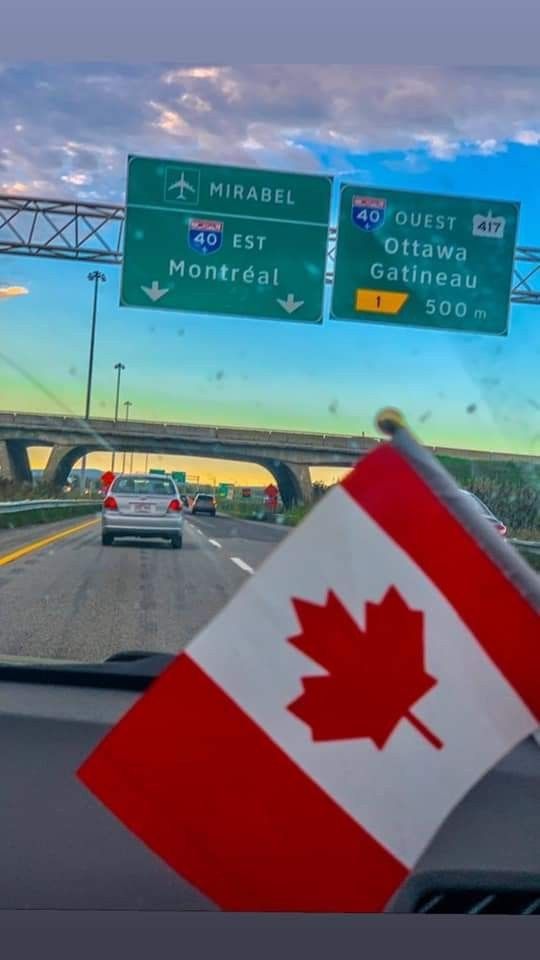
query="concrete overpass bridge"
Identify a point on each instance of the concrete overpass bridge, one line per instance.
(287, 455)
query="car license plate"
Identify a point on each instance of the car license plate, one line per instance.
(143, 507)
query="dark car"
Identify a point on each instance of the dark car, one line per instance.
(204, 503)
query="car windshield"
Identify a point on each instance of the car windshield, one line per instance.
(242, 266)
(254, 318)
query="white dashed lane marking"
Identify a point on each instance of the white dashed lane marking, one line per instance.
(214, 543)
(242, 564)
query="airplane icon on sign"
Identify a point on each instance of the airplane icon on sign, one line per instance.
(182, 184)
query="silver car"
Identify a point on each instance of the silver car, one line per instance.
(486, 512)
(142, 506)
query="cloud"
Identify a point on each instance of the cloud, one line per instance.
(488, 147)
(169, 121)
(12, 291)
(15, 187)
(529, 138)
(76, 179)
(198, 73)
(411, 162)
(66, 130)
(438, 145)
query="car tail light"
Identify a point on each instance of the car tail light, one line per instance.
(110, 503)
(175, 506)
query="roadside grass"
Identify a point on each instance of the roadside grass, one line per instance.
(242, 510)
(294, 516)
(525, 534)
(254, 511)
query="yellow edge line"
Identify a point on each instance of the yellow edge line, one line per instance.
(38, 544)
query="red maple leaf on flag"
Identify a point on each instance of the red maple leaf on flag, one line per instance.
(374, 676)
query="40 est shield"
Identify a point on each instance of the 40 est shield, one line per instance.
(205, 236)
(368, 213)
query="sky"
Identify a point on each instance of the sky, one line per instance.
(66, 133)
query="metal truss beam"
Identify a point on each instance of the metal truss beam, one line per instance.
(62, 230)
(93, 233)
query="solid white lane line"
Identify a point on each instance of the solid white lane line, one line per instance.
(243, 566)
(214, 543)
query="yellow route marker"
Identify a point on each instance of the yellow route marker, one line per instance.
(380, 301)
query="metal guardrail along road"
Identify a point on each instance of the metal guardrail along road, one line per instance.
(529, 546)
(23, 506)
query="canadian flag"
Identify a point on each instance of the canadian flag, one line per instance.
(303, 751)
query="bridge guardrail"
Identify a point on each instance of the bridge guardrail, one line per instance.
(203, 432)
(250, 437)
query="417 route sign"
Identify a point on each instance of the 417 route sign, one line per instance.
(424, 260)
(220, 240)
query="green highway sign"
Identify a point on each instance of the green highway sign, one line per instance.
(179, 476)
(231, 241)
(223, 490)
(424, 260)
(160, 473)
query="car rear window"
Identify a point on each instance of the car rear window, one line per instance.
(205, 497)
(142, 486)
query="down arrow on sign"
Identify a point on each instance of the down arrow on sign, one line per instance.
(290, 304)
(155, 292)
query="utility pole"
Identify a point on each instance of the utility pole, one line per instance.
(118, 367)
(96, 277)
(127, 404)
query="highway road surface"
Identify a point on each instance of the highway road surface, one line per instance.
(63, 595)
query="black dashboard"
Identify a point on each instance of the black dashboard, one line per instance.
(61, 850)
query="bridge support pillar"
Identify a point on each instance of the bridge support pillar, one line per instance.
(60, 464)
(14, 462)
(293, 481)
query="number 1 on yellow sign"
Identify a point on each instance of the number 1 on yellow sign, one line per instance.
(380, 301)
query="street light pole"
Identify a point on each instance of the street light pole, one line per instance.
(127, 404)
(118, 367)
(95, 277)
